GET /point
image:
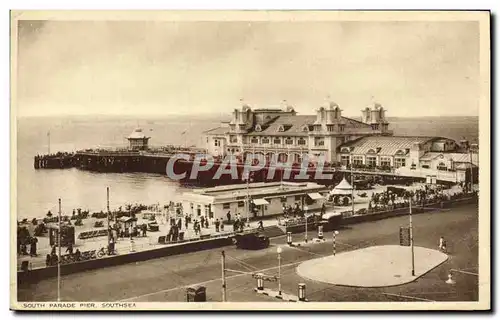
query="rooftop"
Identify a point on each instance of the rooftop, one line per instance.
(452, 156)
(137, 134)
(385, 145)
(260, 189)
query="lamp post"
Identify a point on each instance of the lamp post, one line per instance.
(471, 179)
(279, 250)
(335, 233)
(305, 216)
(248, 199)
(411, 242)
(59, 253)
(352, 181)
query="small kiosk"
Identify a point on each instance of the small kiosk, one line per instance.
(341, 195)
(127, 226)
(67, 235)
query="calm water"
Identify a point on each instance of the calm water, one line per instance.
(38, 190)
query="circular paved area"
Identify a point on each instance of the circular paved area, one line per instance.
(378, 266)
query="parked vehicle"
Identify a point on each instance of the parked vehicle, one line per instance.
(252, 241)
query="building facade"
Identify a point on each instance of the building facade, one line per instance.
(282, 132)
(267, 198)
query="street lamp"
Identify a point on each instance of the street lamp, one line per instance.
(335, 233)
(351, 150)
(279, 250)
(305, 215)
(411, 242)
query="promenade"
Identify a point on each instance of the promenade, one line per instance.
(150, 241)
(166, 279)
(125, 245)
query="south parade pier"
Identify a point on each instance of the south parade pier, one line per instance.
(190, 166)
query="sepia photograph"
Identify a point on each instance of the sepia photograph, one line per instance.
(250, 160)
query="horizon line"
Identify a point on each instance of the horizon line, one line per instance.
(205, 115)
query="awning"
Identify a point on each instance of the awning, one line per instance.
(315, 196)
(260, 202)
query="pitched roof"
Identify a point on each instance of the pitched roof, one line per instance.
(293, 125)
(384, 145)
(453, 156)
(217, 131)
(343, 185)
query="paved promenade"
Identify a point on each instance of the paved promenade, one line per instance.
(165, 279)
(377, 266)
(123, 245)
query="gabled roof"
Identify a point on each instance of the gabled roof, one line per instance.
(291, 124)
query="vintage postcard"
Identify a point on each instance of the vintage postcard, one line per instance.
(250, 160)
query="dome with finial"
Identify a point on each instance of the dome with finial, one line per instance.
(330, 104)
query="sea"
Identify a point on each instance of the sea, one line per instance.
(38, 191)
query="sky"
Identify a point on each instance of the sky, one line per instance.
(166, 67)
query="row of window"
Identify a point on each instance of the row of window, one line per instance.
(242, 203)
(287, 141)
(372, 161)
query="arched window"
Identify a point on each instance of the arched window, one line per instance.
(442, 166)
(258, 128)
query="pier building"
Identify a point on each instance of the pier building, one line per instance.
(265, 198)
(284, 133)
(138, 140)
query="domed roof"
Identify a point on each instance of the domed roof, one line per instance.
(375, 106)
(332, 105)
(137, 134)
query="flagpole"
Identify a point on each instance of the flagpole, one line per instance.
(48, 138)
(59, 257)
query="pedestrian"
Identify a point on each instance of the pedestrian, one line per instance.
(179, 224)
(69, 249)
(202, 220)
(186, 221)
(261, 226)
(33, 245)
(144, 229)
(222, 226)
(206, 223)
(216, 225)
(77, 255)
(53, 251)
(228, 215)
